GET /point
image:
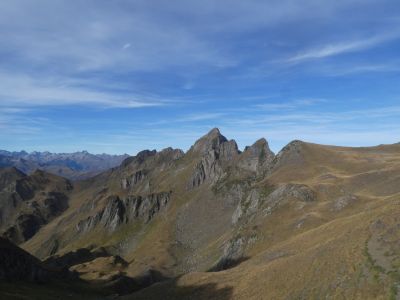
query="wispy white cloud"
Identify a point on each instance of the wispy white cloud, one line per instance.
(337, 48)
(25, 91)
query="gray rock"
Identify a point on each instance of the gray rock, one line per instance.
(256, 157)
(134, 179)
(247, 207)
(216, 151)
(208, 169)
(290, 191)
(344, 201)
(121, 211)
(228, 150)
(211, 141)
(257, 202)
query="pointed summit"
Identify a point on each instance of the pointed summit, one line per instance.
(211, 141)
(256, 156)
(260, 147)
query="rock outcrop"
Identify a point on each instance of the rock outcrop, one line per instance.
(133, 179)
(211, 141)
(256, 157)
(208, 169)
(261, 201)
(344, 201)
(124, 210)
(216, 152)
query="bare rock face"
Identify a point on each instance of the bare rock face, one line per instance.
(211, 141)
(228, 150)
(259, 201)
(248, 206)
(234, 252)
(216, 151)
(219, 154)
(207, 169)
(256, 157)
(121, 211)
(289, 192)
(133, 180)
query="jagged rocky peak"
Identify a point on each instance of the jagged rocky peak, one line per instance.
(211, 141)
(256, 156)
(260, 149)
(216, 151)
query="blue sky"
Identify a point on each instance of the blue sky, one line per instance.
(122, 76)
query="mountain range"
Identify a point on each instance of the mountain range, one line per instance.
(310, 222)
(77, 165)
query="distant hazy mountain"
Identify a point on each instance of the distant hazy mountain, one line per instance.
(77, 165)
